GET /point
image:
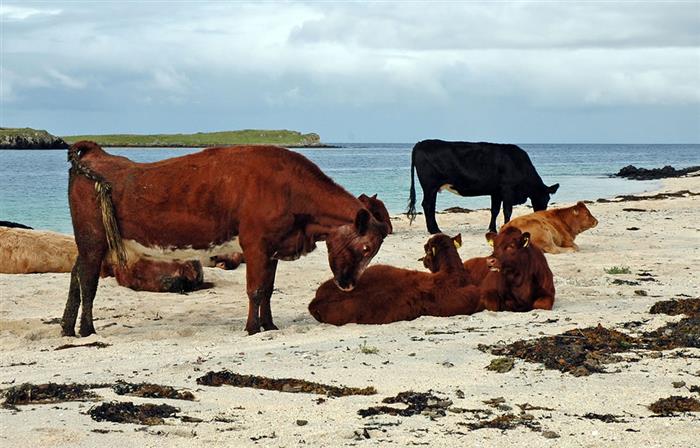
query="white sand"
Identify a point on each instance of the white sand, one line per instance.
(173, 339)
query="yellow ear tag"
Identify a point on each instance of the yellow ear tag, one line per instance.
(457, 245)
(434, 251)
(527, 242)
(490, 243)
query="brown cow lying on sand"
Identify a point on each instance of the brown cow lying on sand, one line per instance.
(387, 294)
(554, 230)
(25, 251)
(157, 276)
(516, 277)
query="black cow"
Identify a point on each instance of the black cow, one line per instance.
(503, 172)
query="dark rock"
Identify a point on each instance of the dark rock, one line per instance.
(27, 138)
(632, 172)
(14, 225)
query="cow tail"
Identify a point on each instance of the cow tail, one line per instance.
(104, 198)
(411, 212)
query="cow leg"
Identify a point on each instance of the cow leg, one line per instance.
(89, 274)
(429, 199)
(495, 210)
(70, 313)
(265, 310)
(507, 206)
(260, 278)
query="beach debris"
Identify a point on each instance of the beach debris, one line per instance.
(632, 209)
(550, 435)
(632, 228)
(425, 403)
(301, 422)
(505, 422)
(669, 406)
(689, 307)
(501, 365)
(583, 351)
(528, 407)
(678, 384)
(619, 281)
(695, 389)
(606, 418)
(291, 385)
(617, 270)
(456, 210)
(128, 412)
(640, 292)
(97, 344)
(27, 393)
(148, 390)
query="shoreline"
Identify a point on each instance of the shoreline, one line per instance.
(174, 339)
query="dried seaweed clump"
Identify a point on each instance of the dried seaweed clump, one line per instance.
(46, 393)
(147, 390)
(673, 404)
(128, 412)
(689, 307)
(579, 351)
(684, 333)
(507, 421)
(280, 384)
(416, 403)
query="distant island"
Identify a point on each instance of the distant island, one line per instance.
(205, 139)
(27, 138)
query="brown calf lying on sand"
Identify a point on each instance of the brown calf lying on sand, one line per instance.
(516, 277)
(387, 294)
(26, 251)
(554, 230)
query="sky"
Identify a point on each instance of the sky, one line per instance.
(515, 72)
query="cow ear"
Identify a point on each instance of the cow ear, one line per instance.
(489, 238)
(552, 189)
(362, 221)
(575, 210)
(525, 239)
(457, 239)
(374, 196)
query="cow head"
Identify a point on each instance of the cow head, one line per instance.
(581, 218)
(377, 208)
(438, 245)
(540, 198)
(510, 251)
(352, 246)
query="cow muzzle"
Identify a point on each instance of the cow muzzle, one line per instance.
(493, 265)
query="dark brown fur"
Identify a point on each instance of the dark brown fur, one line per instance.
(278, 204)
(387, 294)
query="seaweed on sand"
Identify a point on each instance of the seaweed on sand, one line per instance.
(689, 307)
(671, 405)
(416, 403)
(584, 351)
(46, 393)
(148, 390)
(128, 412)
(280, 384)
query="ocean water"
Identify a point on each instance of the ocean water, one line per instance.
(34, 183)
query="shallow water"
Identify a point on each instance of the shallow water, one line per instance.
(33, 183)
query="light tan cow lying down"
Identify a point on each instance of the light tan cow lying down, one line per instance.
(554, 230)
(25, 251)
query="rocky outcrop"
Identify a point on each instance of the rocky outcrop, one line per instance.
(632, 172)
(27, 138)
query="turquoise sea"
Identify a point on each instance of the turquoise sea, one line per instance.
(34, 183)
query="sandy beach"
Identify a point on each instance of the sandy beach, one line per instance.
(173, 339)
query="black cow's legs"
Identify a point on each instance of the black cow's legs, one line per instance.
(429, 199)
(495, 209)
(265, 310)
(507, 206)
(89, 267)
(70, 313)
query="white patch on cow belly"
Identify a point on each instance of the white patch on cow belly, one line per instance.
(137, 250)
(450, 188)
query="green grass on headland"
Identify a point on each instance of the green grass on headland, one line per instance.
(204, 139)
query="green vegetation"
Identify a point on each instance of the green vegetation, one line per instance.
(368, 349)
(204, 139)
(616, 270)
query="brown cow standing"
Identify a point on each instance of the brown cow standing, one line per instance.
(554, 230)
(264, 201)
(387, 294)
(516, 277)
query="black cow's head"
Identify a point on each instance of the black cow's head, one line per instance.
(540, 199)
(352, 246)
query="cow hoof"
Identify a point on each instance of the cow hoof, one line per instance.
(85, 332)
(269, 327)
(70, 332)
(252, 331)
